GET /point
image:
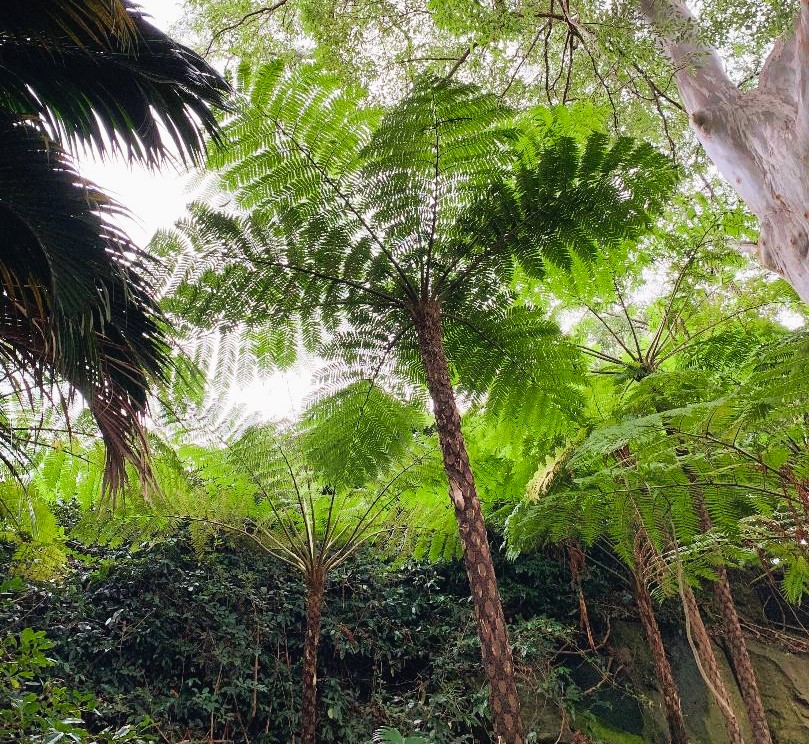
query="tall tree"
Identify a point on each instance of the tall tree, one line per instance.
(77, 303)
(659, 349)
(757, 137)
(400, 237)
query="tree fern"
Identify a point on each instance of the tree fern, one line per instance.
(399, 237)
(705, 410)
(352, 219)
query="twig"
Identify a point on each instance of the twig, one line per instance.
(461, 60)
(246, 17)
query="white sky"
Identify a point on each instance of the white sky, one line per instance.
(156, 199)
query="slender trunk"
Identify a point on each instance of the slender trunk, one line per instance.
(737, 646)
(665, 677)
(708, 666)
(498, 663)
(315, 590)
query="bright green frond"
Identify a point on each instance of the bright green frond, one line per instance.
(353, 435)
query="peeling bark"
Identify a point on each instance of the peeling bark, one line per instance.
(498, 663)
(758, 139)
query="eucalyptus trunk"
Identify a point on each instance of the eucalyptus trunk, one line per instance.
(668, 687)
(757, 138)
(709, 668)
(315, 592)
(498, 663)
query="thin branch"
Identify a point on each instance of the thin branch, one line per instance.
(461, 60)
(310, 534)
(628, 318)
(710, 327)
(246, 17)
(569, 48)
(434, 205)
(283, 554)
(610, 331)
(665, 319)
(599, 355)
(522, 62)
(290, 535)
(380, 495)
(658, 92)
(470, 267)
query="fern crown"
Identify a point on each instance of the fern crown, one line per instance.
(346, 220)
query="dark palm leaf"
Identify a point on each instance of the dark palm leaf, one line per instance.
(75, 304)
(99, 73)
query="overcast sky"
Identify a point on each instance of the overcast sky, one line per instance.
(156, 199)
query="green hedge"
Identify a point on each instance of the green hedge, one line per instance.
(211, 645)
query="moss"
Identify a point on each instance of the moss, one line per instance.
(607, 735)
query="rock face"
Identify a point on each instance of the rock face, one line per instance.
(784, 684)
(783, 680)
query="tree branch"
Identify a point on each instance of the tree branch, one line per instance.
(246, 17)
(700, 72)
(461, 60)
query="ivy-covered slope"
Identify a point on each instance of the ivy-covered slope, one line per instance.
(210, 648)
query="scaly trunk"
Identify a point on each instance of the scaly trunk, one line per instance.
(315, 590)
(737, 646)
(668, 687)
(739, 656)
(498, 663)
(759, 138)
(709, 668)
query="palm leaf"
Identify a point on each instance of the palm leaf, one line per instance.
(100, 74)
(76, 303)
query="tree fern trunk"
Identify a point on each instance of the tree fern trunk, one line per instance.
(315, 590)
(665, 677)
(498, 663)
(737, 646)
(709, 668)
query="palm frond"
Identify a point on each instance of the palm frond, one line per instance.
(100, 74)
(77, 304)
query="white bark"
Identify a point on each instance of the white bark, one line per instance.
(758, 139)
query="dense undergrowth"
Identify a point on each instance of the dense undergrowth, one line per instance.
(209, 647)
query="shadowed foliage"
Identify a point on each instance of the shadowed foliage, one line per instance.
(76, 303)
